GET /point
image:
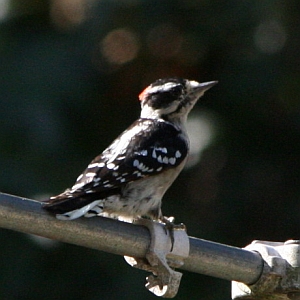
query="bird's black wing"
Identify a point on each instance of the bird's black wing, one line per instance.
(146, 148)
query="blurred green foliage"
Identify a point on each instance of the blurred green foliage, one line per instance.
(70, 76)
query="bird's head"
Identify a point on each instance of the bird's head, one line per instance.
(171, 98)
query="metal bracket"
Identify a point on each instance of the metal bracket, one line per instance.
(160, 259)
(280, 278)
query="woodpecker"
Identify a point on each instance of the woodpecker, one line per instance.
(131, 176)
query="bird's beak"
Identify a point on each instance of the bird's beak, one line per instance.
(197, 89)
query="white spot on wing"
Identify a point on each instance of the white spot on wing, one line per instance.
(90, 166)
(108, 185)
(144, 152)
(154, 153)
(177, 154)
(165, 160)
(172, 160)
(164, 150)
(159, 159)
(79, 177)
(90, 174)
(145, 169)
(110, 166)
(136, 163)
(77, 186)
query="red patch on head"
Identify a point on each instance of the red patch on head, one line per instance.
(143, 93)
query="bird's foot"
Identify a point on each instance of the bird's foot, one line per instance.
(159, 260)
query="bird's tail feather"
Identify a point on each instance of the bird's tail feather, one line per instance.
(68, 202)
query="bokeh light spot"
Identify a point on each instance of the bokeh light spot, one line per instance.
(202, 129)
(4, 9)
(68, 13)
(270, 37)
(120, 46)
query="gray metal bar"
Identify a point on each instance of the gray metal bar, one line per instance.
(121, 238)
(223, 261)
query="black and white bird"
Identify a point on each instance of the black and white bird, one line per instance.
(131, 176)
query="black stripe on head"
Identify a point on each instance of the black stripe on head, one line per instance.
(163, 92)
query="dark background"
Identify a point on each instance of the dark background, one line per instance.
(70, 75)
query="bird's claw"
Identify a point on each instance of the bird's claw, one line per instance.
(170, 227)
(159, 260)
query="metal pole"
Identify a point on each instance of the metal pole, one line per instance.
(122, 238)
